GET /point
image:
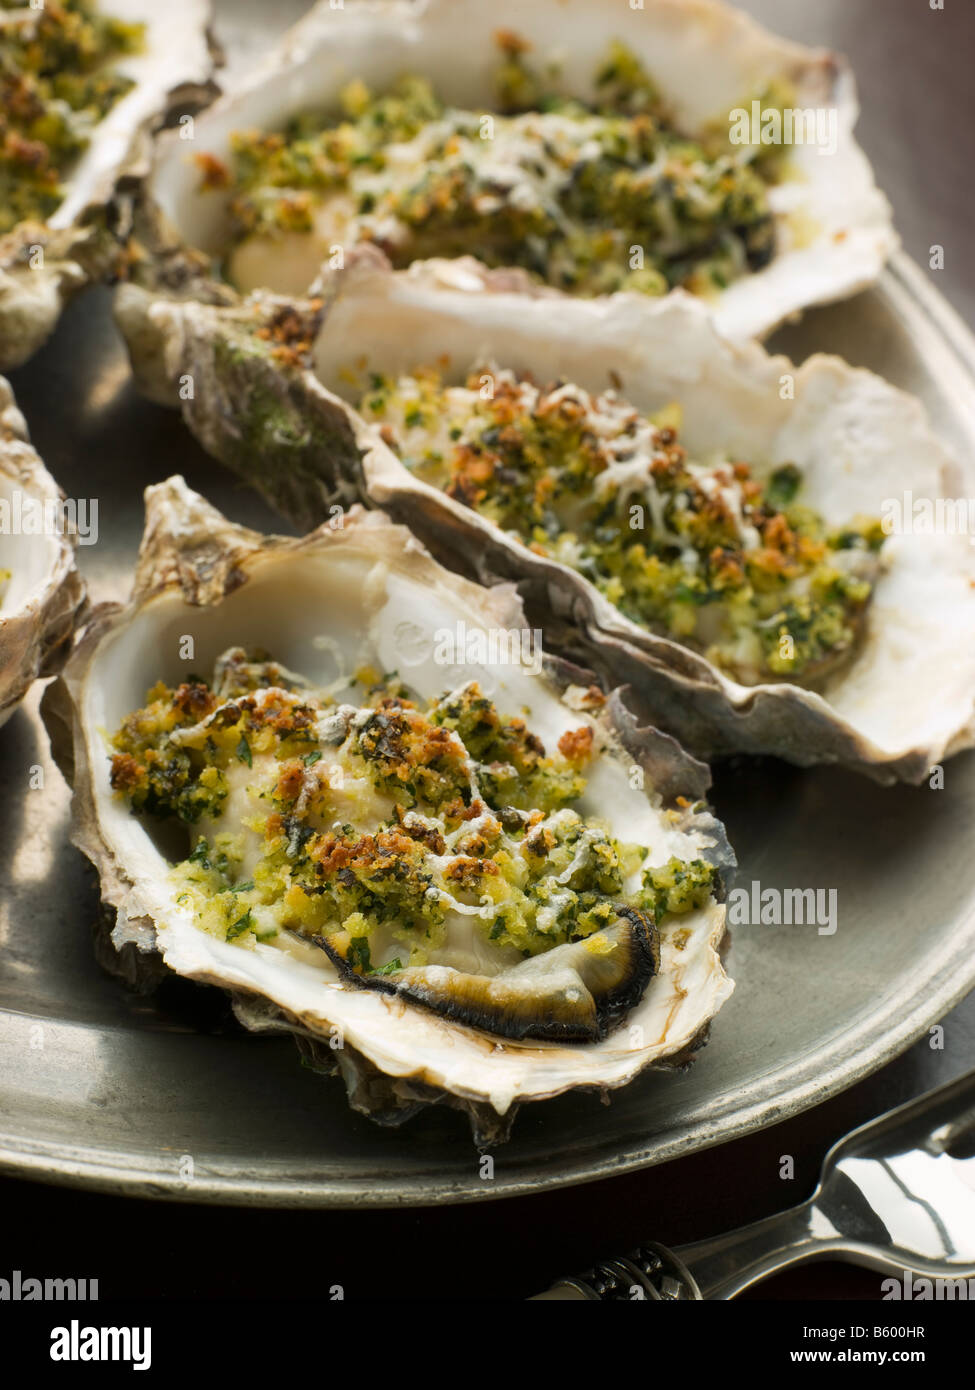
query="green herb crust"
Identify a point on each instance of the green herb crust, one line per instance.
(591, 198)
(737, 568)
(378, 826)
(56, 84)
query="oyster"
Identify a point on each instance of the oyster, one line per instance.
(363, 925)
(84, 84)
(415, 173)
(41, 593)
(273, 383)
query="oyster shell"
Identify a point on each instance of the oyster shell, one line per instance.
(833, 226)
(43, 263)
(369, 591)
(905, 700)
(44, 595)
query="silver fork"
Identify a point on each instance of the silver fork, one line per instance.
(896, 1195)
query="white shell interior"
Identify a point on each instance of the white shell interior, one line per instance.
(32, 547)
(858, 441)
(32, 559)
(338, 591)
(707, 59)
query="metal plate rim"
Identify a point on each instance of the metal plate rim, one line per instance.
(88, 1169)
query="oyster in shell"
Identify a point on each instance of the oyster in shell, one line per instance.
(273, 383)
(41, 593)
(470, 1016)
(415, 173)
(75, 134)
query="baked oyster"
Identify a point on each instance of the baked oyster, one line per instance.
(572, 148)
(728, 534)
(83, 85)
(41, 593)
(454, 872)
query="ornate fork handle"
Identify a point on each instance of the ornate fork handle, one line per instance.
(717, 1268)
(651, 1272)
(896, 1195)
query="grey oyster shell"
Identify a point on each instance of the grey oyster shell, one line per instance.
(43, 264)
(833, 226)
(44, 596)
(366, 588)
(904, 702)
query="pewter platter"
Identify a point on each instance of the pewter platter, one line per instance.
(103, 1088)
(168, 1097)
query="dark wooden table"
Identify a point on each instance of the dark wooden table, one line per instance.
(916, 88)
